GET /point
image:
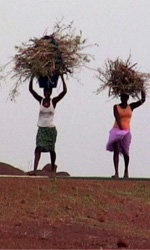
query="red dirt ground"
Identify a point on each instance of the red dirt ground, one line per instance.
(74, 213)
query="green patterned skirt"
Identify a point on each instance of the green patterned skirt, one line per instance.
(46, 138)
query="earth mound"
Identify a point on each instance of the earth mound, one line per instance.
(6, 169)
(47, 171)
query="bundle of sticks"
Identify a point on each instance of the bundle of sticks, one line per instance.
(122, 77)
(58, 53)
(61, 52)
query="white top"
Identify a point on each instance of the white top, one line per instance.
(46, 115)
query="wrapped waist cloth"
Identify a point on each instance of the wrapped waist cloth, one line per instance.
(46, 138)
(123, 136)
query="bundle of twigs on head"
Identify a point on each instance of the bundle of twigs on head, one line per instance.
(122, 77)
(58, 53)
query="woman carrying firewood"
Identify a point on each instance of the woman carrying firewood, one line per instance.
(120, 135)
(47, 133)
(122, 80)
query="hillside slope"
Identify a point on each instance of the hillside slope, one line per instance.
(74, 213)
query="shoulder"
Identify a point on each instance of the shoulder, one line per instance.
(115, 106)
(41, 100)
(53, 101)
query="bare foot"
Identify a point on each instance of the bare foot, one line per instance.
(55, 168)
(126, 176)
(115, 176)
(52, 174)
(33, 173)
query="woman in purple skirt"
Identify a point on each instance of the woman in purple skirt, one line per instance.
(120, 135)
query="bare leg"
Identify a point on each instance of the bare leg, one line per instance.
(126, 162)
(53, 159)
(116, 158)
(37, 158)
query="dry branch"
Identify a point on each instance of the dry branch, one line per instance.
(58, 53)
(122, 77)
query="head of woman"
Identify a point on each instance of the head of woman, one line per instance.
(124, 98)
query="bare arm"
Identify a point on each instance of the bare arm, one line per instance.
(62, 94)
(116, 115)
(134, 105)
(35, 95)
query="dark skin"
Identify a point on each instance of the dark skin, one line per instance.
(124, 102)
(46, 103)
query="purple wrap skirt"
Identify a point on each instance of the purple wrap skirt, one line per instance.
(123, 136)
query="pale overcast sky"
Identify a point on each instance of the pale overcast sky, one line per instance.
(83, 119)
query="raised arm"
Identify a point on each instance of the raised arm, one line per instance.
(134, 105)
(35, 95)
(62, 94)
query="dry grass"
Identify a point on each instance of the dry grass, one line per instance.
(122, 77)
(61, 52)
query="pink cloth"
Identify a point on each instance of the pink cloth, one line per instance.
(124, 136)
